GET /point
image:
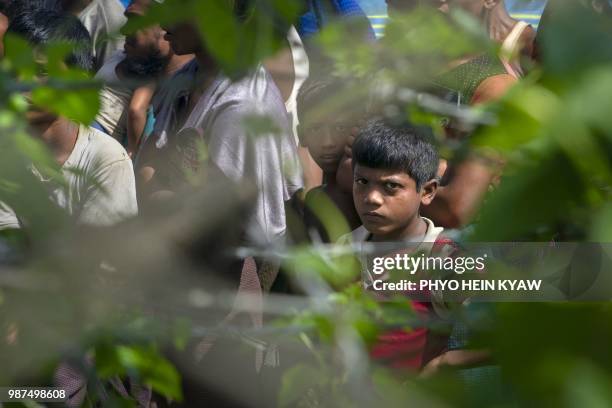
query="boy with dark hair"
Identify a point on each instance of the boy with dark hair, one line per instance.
(324, 130)
(394, 175)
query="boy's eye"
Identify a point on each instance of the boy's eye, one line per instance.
(392, 186)
(361, 181)
(314, 129)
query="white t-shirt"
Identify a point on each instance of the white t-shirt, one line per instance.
(100, 187)
(103, 19)
(301, 67)
(219, 118)
(360, 236)
(8, 219)
(114, 98)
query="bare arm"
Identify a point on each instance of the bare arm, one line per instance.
(137, 115)
(456, 203)
(492, 89)
(4, 23)
(455, 359)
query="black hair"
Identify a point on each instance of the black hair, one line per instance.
(13, 7)
(40, 27)
(144, 67)
(405, 147)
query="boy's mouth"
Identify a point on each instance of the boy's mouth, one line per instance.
(329, 157)
(373, 216)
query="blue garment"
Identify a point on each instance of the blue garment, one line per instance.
(96, 125)
(126, 3)
(317, 17)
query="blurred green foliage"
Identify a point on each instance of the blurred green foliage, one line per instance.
(553, 131)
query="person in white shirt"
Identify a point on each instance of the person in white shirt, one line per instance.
(99, 186)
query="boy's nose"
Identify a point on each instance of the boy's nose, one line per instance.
(327, 138)
(373, 197)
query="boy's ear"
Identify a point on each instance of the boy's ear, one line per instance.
(428, 191)
(301, 136)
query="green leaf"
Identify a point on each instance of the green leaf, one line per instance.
(153, 369)
(80, 105)
(297, 381)
(19, 57)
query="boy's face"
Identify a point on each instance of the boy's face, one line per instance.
(326, 140)
(387, 201)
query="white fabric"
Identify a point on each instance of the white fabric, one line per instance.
(510, 50)
(361, 235)
(103, 19)
(268, 160)
(100, 178)
(114, 99)
(100, 187)
(301, 69)
(8, 219)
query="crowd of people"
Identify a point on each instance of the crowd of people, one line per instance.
(165, 97)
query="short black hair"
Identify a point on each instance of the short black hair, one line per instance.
(404, 147)
(12, 7)
(40, 27)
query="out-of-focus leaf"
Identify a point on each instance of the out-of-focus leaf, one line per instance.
(297, 381)
(80, 105)
(182, 333)
(520, 120)
(236, 46)
(568, 46)
(549, 189)
(19, 57)
(153, 369)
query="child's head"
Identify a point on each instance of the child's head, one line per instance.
(324, 125)
(394, 174)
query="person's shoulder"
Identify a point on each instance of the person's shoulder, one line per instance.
(255, 91)
(188, 69)
(104, 149)
(493, 88)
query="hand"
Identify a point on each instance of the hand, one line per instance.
(433, 367)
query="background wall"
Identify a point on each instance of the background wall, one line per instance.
(527, 10)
